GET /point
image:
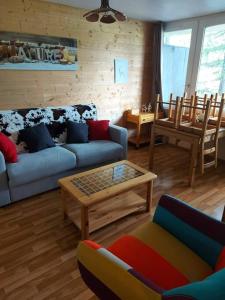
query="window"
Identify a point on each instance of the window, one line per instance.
(211, 74)
(176, 46)
(194, 56)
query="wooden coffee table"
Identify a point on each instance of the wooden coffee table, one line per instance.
(95, 198)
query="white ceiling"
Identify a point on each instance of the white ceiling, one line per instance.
(163, 10)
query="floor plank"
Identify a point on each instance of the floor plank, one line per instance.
(38, 248)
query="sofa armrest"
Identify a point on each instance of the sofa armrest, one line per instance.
(4, 188)
(110, 277)
(119, 135)
(2, 162)
(193, 228)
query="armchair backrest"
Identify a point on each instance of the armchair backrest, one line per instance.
(201, 233)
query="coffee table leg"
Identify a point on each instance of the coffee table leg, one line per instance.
(149, 196)
(84, 223)
(63, 199)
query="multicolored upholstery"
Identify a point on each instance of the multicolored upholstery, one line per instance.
(180, 255)
(212, 288)
(206, 238)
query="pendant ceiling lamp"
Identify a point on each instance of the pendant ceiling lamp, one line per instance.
(105, 13)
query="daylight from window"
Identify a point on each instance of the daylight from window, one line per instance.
(211, 76)
(176, 46)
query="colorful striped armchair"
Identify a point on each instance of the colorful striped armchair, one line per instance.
(180, 255)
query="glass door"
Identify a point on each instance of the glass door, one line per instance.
(176, 49)
(211, 72)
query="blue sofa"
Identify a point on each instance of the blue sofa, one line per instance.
(38, 172)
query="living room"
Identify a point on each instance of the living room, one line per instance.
(112, 149)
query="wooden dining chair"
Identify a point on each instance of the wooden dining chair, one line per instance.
(185, 114)
(214, 101)
(208, 134)
(213, 143)
(173, 110)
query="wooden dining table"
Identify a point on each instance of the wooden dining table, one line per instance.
(192, 139)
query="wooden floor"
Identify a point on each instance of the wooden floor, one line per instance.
(38, 249)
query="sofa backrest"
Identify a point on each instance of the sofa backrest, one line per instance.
(201, 233)
(11, 121)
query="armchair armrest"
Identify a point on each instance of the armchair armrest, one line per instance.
(119, 135)
(201, 233)
(4, 189)
(110, 277)
(210, 288)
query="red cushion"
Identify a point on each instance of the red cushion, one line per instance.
(221, 261)
(148, 262)
(98, 130)
(8, 148)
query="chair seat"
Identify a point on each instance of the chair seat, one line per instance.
(150, 264)
(34, 166)
(96, 152)
(174, 251)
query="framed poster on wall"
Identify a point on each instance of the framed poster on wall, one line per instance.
(20, 51)
(121, 70)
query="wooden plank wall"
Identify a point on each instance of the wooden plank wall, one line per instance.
(98, 44)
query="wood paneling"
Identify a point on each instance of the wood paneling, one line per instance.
(98, 46)
(38, 248)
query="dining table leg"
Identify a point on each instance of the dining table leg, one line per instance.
(194, 161)
(151, 149)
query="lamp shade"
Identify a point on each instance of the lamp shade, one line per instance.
(105, 13)
(107, 19)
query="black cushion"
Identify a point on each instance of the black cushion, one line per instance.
(37, 138)
(77, 132)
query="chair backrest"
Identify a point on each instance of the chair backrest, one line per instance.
(200, 102)
(193, 109)
(214, 101)
(173, 108)
(220, 114)
(201, 233)
(186, 110)
(206, 108)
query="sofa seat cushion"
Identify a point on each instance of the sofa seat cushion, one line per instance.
(33, 166)
(192, 266)
(96, 152)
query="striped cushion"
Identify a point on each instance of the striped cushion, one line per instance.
(148, 262)
(203, 234)
(174, 251)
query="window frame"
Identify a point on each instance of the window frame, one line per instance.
(198, 26)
